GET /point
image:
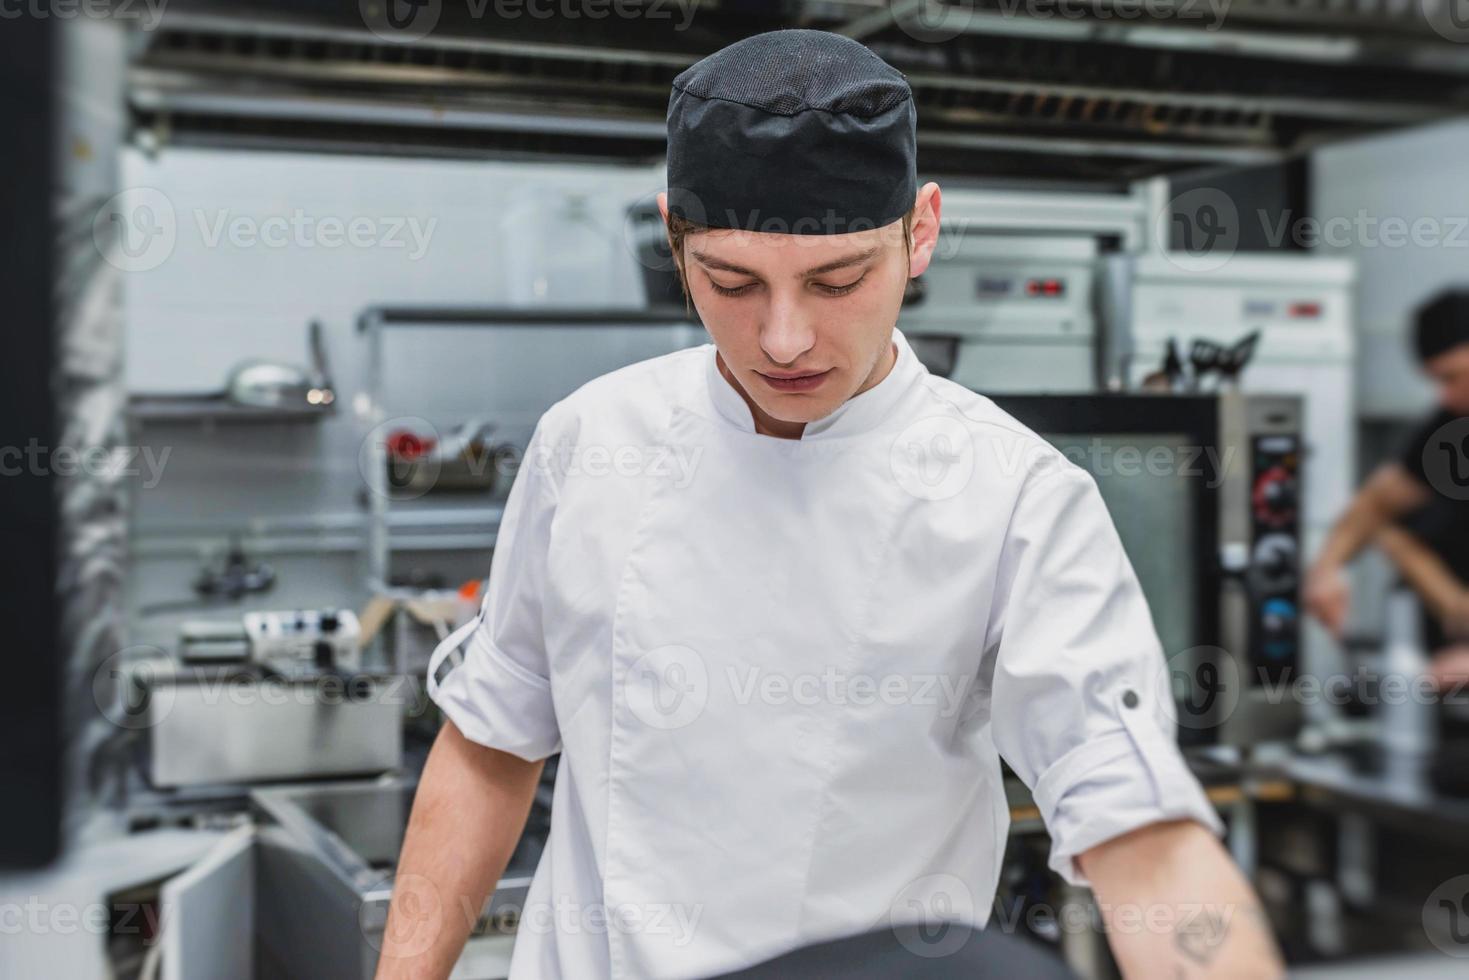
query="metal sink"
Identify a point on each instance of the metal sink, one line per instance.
(328, 854)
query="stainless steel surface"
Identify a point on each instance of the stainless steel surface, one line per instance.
(221, 727)
(265, 384)
(1114, 320)
(1258, 717)
(294, 642)
(1313, 356)
(212, 639)
(375, 322)
(1407, 966)
(1095, 92)
(1381, 32)
(209, 912)
(1381, 781)
(338, 844)
(1010, 339)
(1010, 342)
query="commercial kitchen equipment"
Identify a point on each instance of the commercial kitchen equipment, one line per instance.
(1013, 298)
(277, 695)
(304, 642)
(1205, 491)
(539, 375)
(1016, 312)
(1302, 307)
(305, 891)
(210, 725)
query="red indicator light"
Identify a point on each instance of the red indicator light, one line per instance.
(1311, 310)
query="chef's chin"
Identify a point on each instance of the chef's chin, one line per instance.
(798, 407)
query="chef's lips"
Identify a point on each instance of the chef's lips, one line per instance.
(792, 132)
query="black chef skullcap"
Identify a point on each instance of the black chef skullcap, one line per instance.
(1443, 323)
(797, 132)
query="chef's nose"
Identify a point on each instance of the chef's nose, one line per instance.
(786, 334)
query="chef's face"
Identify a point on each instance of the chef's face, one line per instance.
(804, 322)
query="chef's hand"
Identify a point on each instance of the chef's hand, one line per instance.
(1328, 597)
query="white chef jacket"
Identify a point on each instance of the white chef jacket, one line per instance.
(782, 673)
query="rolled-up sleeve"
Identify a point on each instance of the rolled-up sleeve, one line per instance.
(500, 693)
(1081, 708)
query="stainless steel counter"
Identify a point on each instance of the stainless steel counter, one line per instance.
(1390, 787)
(328, 856)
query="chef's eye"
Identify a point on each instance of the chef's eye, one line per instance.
(731, 290)
(831, 290)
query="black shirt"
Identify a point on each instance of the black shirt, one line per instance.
(1416, 448)
(1442, 523)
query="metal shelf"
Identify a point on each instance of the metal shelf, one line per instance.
(175, 409)
(375, 320)
(510, 316)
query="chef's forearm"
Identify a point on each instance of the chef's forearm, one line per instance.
(1388, 494)
(468, 814)
(1433, 580)
(1175, 906)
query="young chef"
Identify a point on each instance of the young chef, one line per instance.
(782, 602)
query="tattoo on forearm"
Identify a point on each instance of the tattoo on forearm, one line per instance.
(1200, 937)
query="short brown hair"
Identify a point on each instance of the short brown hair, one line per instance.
(680, 228)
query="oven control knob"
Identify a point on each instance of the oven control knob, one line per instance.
(1278, 628)
(1273, 565)
(1274, 497)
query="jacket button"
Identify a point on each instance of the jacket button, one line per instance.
(1129, 698)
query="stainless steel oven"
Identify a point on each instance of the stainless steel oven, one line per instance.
(1205, 492)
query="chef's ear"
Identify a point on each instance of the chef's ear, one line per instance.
(663, 206)
(926, 209)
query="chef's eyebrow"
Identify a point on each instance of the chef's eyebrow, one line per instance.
(856, 258)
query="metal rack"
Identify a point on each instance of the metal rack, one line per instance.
(374, 322)
(1102, 94)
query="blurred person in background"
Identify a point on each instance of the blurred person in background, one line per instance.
(1416, 507)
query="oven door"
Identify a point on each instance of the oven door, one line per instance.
(1158, 464)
